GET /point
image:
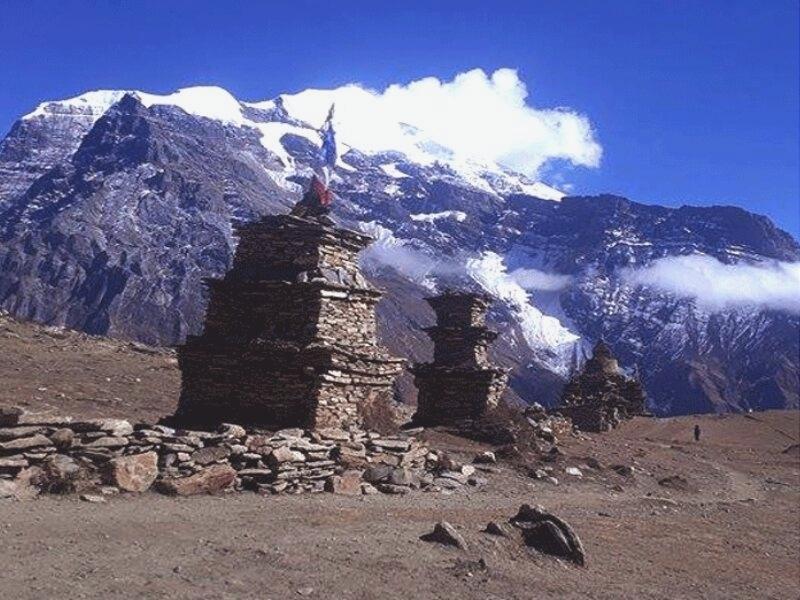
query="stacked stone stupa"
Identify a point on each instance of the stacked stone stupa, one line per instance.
(290, 332)
(460, 383)
(600, 396)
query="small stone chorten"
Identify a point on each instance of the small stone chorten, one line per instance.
(290, 332)
(600, 396)
(460, 383)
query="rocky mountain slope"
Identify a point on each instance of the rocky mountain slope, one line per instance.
(115, 205)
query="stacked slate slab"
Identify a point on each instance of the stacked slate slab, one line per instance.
(460, 384)
(290, 333)
(599, 397)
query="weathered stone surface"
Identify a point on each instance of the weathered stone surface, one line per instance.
(113, 427)
(62, 438)
(232, 430)
(445, 533)
(12, 433)
(348, 483)
(546, 537)
(284, 454)
(33, 441)
(549, 533)
(62, 475)
(403, 476)
(486, 458)
(134, 473)
(396, 490)
(13, 462)
(108, 442)
(9, 415)
(499, 529)
(211, 480)
(377, 473)
(210, 454)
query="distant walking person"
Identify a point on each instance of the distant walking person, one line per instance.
(697, 433)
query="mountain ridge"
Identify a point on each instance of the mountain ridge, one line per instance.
(114, 235)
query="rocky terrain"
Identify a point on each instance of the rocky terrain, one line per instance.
(658, 515)
(114, 206)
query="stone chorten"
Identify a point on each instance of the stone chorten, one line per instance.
(290, 332)
(460, 383)
(600, 396)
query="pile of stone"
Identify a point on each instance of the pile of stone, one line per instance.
(460, 383)
(546, 426)
(600, 397)
(61, 455)
(290, 334)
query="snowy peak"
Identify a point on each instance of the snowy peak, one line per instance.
(363, 123)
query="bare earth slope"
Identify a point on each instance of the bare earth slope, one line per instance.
(723, 523)
(48, 368)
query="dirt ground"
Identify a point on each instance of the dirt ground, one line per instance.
(47, 368)
(723, 523)
(731, 531)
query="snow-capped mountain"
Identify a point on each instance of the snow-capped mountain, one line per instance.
(114, 205)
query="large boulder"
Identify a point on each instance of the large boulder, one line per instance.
(211, 480)
(134, 473)
(548, 533)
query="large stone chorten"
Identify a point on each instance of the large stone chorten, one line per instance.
(290, 332)
(460, 383)
(600, 396)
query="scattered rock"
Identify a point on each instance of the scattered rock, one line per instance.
(573, 471)
(557, 537)
(499, 529)
(794, 450)
(546, 537)
(388, 488)
(93, 498)
(675, 482)
(444, 533)
(624, 470)
(485, 458)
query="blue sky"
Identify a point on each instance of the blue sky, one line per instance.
(694, 102)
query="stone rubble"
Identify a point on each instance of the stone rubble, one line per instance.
(134, 458)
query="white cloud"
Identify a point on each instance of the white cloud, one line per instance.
(533, 279)
(716, 286)
(475, 117)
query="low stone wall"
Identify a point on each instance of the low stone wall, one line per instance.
(57, 454)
